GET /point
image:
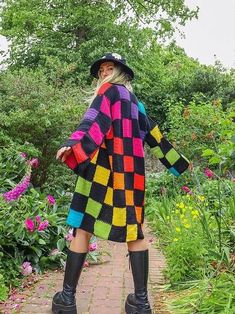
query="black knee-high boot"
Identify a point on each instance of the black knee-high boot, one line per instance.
(64, 301)
(137, 303)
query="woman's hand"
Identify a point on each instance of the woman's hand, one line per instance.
(63, 153)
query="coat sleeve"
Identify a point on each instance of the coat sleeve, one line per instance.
(89, 135)
(161, 148)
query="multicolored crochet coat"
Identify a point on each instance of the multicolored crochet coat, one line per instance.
(108, 157)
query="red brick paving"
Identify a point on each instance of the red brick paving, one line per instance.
(102, 288)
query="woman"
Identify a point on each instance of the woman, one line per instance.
(107, 153)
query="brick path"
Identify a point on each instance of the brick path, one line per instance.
(102, 288)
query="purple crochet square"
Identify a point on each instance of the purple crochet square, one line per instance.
(90, 114)
(123, 92)
(134, 111)
(142, 135)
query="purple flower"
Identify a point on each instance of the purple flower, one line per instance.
(43, 225)
(208, 173)
(29, 224)
(26, 269)
(51, 199)
(186, 189)
(93, 246)
(34, 162)
(19, 189)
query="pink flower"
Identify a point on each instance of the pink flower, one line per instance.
(23, 155)
(15, 306)
(43, 225)
(68, 237)
(93, 246)
(86, 264)
(26, 269)
(38, 219)
(186, 189)
(51, 199)
(34, 162)
(29, 224)
(208, 173)
(54, 252)
(19, 189)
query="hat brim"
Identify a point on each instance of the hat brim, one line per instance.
(96, 65)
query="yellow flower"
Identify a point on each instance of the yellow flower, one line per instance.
(195, 212)
(187, 226)
(201, 198)
(175, 239)
(177, 229)
(181, 205)
(177, 211)
(182, 216)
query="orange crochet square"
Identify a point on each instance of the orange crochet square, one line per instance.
(118, 145)
(138, 212)
(129, 197)
(118, 181)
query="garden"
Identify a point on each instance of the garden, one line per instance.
(43, 90)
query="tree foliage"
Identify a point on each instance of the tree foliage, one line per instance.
(77, 31)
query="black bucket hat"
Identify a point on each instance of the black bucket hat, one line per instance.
(115, 58)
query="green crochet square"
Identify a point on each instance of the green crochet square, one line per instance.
(172, 156)
(83, 186)
(93, 208)
(157, 152)
(102, 229)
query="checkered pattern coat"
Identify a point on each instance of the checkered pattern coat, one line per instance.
(108, 157)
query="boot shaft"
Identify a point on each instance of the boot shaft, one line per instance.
(139, 261)
(73, 268)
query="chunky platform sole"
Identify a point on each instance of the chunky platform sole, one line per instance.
(62, 309)
(131, 309)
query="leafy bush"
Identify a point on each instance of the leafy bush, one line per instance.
(196, 230)
(20, 206)
(38, 115)
(194, 133)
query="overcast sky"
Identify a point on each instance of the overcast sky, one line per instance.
(210, 37)
(213, 33)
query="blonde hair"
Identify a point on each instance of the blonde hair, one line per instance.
(117, 77)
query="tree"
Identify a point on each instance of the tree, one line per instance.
(44, 33)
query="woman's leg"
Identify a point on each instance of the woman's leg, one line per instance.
(137, 245)
(64, 302)
(139, 259)
(80, 241)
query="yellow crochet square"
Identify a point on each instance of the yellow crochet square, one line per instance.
(119, 216)
(101, 175)
(131, 233)
(156, 133)
(109, 196)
